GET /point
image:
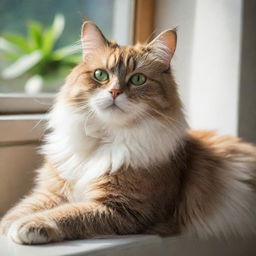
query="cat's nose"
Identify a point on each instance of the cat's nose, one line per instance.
(115, 92)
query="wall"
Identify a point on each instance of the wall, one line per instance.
(20, 137)
(17, 168)
(179, 14)
(247, 106)
(207, 61)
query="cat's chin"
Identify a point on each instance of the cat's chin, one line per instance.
(115, 116)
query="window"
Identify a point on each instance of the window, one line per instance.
(27, 81)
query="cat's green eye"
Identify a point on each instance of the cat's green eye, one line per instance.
(138, 79)
(101, 75)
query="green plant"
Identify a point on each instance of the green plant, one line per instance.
(36, 53)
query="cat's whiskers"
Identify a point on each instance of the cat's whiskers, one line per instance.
(169, 119)
(44, 127)
(76, 47)
(142, 113)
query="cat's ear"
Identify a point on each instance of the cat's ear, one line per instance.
(164, 45)
(91, 38)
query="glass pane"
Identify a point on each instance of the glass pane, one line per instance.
(15, 17)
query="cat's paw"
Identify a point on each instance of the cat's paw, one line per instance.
(34, 229)
(5, 224)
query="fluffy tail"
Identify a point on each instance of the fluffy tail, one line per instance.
(219, 187)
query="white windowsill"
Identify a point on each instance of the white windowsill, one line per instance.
(20, 103)
(123, 245)
(136, 245)
(21, 128)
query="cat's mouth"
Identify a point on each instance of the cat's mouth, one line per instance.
(114, 107)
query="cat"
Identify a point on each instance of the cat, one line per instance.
(120, 157)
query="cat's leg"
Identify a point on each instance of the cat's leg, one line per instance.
(74, 221)
(38, 200)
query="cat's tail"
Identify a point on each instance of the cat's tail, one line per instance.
(219, 188)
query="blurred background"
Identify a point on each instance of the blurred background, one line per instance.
(45, 35)
(214, 65)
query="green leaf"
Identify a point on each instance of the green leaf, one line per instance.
(11, 56)
(52, 34)
(66, 51)
(35, 35)
(18, 41)
(72, 60)
(7, 47)
(36, 54)
(22, 65)
(10, 51)
(58, 26)
(48, 42)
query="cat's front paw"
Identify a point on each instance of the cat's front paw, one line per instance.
(34, 229)
(5, 224)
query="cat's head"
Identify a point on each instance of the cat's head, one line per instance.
(122, 85)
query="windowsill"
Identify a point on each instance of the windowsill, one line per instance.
(122, 245)
(21, 103)
(21, 128)
(136, 245)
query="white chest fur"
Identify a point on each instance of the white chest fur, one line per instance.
(84, 149)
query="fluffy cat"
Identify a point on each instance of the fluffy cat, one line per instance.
(119, 158)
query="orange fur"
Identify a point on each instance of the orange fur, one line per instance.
(204, 179)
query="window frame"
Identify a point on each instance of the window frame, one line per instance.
(144, 19)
